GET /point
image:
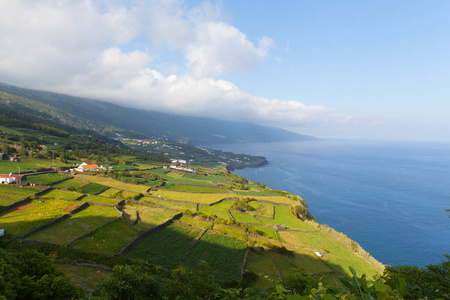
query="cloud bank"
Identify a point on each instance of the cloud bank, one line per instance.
(158, 55)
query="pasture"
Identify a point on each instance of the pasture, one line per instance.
(11, 193)
(7, 167)
(78, 224)
(143, 217)
(70, 184)
(181, 206)
(114, 183)
(166, 247)
(189, 197)
(46, 179)
(224, 255)
(60, 194)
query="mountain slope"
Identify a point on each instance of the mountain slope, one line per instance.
(108, 119)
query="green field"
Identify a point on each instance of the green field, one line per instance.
(46, 179)
(97, 199)
(278, 199)
(147, 216)
(232, 231)
(182, 206)
(10, 193)
(7, 167)
(224, 255)
(195, 222)
(284, 216)
(190, 197)
(220, 209)
(244, 218)
(120, 194)
(336, 253)
(85, 276)
(28, 216)
(114, 183)
(193, 188)
(78, 224)
(70, 184)
(60, 194)
(108, 240)
(166, 247)
(93, 188)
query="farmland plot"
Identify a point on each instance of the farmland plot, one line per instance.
(98, 199)
(190, 197)
(10, 193)
(78, 224)
(182, 206)
(219, 209)
(107, 240)
(46, 179)
(93, 188)
(7, 167)
(244, 218)
(60, 194)
(284, 216)
(114, 183)
(166, 247)
(227, 265)
(24, 218)
(142, 217)
(193, 188)
(120, 194)
(70, 184)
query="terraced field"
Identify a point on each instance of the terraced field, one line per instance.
(106, 181)
(77, 225)
(166, 247)
(143, 217)
(190, 197)
(11, 194)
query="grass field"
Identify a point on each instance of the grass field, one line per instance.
(193, 188)
(149, 216)
(114, 183)
(108, 240)
(224, 266)
(265, 231)
(85, 276)
(262, 209)
(181, 177)
(244, 218)
(78, 224)
(70, 184)
(191, 197)
(195, 222)
(336, 253)
(24, 218)
(232, 231)
(182, 206)
(219, 209)
(166, 247)
(60, 194)
(284, 216)
(10, 193)
(7, 167)
(98, 199)
(46, 179)
(278, 199)
(93, 188)
(121, 194)
(48, 163)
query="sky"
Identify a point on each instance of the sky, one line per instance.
(373, 69)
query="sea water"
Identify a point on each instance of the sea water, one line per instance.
(390, 197)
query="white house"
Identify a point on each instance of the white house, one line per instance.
(9, 178)
(87, 166)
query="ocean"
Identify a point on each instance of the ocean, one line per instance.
(390, 197)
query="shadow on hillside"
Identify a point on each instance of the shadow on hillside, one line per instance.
(171, 247)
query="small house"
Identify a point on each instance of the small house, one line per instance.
(3, 156)
(87, 166)
(10, 178)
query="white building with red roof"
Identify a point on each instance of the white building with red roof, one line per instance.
(87, 166)
(10, 178)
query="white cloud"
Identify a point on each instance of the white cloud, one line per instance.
(85, 48)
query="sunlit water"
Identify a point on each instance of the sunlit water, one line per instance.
(388, 196)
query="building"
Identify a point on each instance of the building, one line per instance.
(87, 166)
(3, 156)
(10, 178)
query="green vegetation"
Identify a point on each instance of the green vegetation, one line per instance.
(60, 194)
(181, 206)
(92, 188)
(114, 183)
(78, 224)
(97, 199)
(193, 188)
(203, 198)
(70, 184)
(10, 194)
(166, 247)
(107, 240)
(46, 179)
(7, 167)
(143, 217)
(224, 266)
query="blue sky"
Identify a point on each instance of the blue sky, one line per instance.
(332, 69)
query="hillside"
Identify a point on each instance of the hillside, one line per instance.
(174, 218)
(108, 119)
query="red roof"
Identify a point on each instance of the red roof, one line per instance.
(8, 176)
(89, 166)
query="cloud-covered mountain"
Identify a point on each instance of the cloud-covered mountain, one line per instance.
(109, 119)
